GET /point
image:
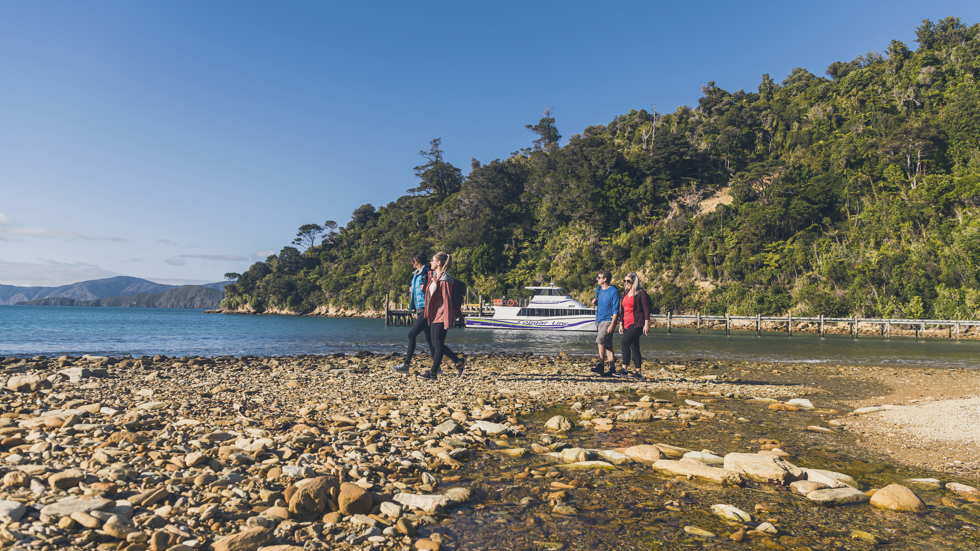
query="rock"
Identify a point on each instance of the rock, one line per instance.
(65, 507)
(17, 479)
(962, 489)
(635, 416)
(405, 527)
(458, 494)
(449, 427)
(830, 478)
(896, 497)
(564, 509)
(513, 452)
(590, 465)
(559, 424)
(249, 539)
(924, 483)
(85, 519)
(310, 497)
(391, 509)
(66, 479)
(672, 452)
(645, 454)
(161, 540)
(767, 528)
(800, 402)
(492, 429)
(699, 532)
(354, 500)
(118, 527)
(837, 496)
(693, 468)
(614, 457)
(804, 487)
(731, 513)
(763, 467)
(11, 511)
(28, 383)
(421, 501)
(709, 459)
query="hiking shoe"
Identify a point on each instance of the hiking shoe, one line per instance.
(636, 375)
(460, 365)
(428, 375)
(609, 373)
(401, 368)
(599, 368)
(622, 374)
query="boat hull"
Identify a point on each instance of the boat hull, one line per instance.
(564, 323)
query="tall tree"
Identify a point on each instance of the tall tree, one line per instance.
(438, 176)
(307, 235)
(548, 136)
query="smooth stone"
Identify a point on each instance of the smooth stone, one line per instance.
(85, 519)
(354, 500)
(804, 487)
(513, 452)
(66, 479)
(614, 457)
(310, 497)
(423, 502)
(924, 483)
(492, 429)
(564, 509)
(590, 465)
(449, 427)
(11, 511)
(645, 454)
(118, 527)
(801, 402)
(830, 478)
(699, 532)
(837, 496)
(896, 497)
(65, 507)
(763, 467)
(635, 416)
(709, 459)
(458, 494)
(391, 509)
(559, 424)
(249, 539)
(672, 452)
(694, 468)
(962, 489)
(767, 528)
(732, 513)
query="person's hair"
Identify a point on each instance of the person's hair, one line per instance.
(635, 281)
(446, 260)
(418, 257)
(607, 275)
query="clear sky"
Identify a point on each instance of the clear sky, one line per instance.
(180, 140)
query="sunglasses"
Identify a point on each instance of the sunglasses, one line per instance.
(627, 281)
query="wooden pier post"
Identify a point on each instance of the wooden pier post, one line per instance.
(821, 325)
(888, 330)
(728, 326)
(789, 324)
(857, 333)
(758, 325)
(386, 308)
(957, 330)
(669, 316)
(699, 323)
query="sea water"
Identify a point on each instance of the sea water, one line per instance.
(56, 330)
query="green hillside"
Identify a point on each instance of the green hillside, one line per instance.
(854, 191)
(188, 296)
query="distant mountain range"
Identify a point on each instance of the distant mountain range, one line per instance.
(188, 296)
(114, 287)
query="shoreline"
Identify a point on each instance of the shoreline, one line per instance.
(263, 430)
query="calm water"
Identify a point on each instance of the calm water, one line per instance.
(30, 330)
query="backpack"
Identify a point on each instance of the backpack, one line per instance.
(459, 293)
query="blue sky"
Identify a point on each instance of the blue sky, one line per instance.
(177, 141)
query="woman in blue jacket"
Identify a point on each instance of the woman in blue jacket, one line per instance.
(420, 278)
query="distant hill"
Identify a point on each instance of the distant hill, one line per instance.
(188, 296)
(121, 286)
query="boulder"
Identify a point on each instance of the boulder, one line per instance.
(354, 500)
(11, 511)
(65, 507)
(559, 424)
(422, 502)
(707, 458)
(28, 383)
(837, 496)
(830, 478)
(644, 453)
(66, 479)
(694, 468)
(732, 513)
(896, 497)
(635, 416)
(311, 495)
(962, 489)
(763, 467)
(249, 539)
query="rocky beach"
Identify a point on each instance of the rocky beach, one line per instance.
(521, 452)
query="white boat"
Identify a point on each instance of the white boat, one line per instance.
(550, 309)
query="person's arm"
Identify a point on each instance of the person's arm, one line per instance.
(615, 310)
(647, 310)
(448, 306)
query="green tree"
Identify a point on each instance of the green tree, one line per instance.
(438, 177)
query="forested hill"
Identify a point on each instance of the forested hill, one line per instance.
(851, 191)
(187, 296)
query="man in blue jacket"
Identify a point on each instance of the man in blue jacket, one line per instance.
(420, 278)
(606, 302)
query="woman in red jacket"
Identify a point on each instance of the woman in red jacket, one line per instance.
(634, 311)
(441, 312)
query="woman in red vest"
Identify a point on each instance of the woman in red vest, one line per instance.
(634, 311)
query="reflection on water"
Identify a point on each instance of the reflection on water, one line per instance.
(79, 330)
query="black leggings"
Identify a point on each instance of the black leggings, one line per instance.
(420, 326)
(631, 346)
(439, 346)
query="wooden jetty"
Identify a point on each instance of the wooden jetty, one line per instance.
(401, 315)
